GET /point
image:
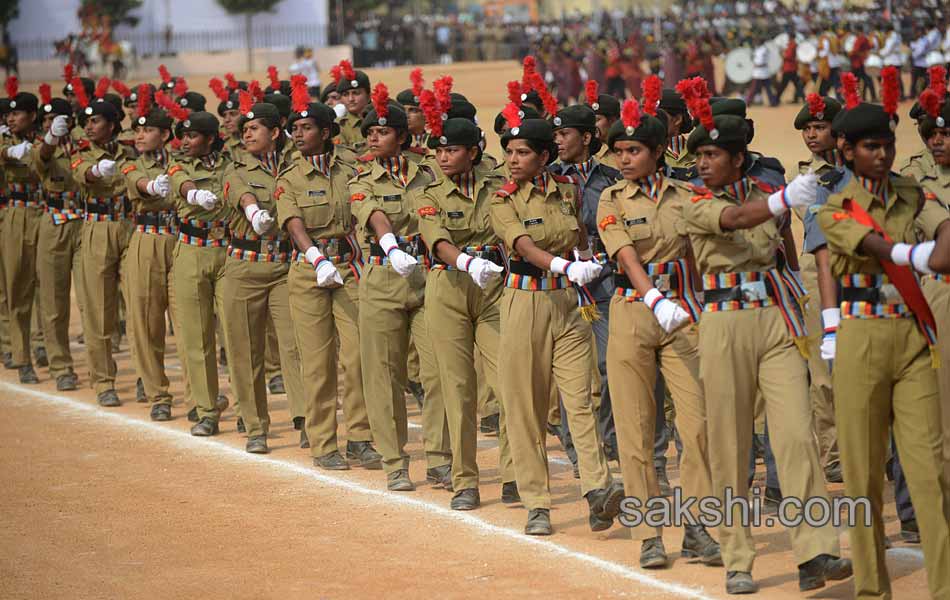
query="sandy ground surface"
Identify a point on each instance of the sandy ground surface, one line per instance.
(102, 503)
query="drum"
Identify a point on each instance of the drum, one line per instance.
(775, 58)
(934, 58)
(874, 64)
(781, 41)
(739, 66)
(807, 52)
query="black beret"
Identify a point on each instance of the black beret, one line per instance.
(25, 101)
(200, 122)
(361, 81)
(526, 113)
(104, 108)
(58, 106)
(4, 105)
(268, 113)
(533, 130)
(864, 121)
(407, 98)
(926, 124)
(651, 132)
(672, 102)
(396, 119)
(462, 109)
(134, 96)
(804, 117)
(533, 98)
(457, 132)
(322, 114)
(580, 117)
(282, 89)
(193, 101)
(728, 106)
(607, 106)
(155, 118)
(281, 101)
(731, 130)
(232, 103)
(88, 84)
(325, 94)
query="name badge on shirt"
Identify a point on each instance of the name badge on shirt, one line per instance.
(637, 221)
(537, 221)
(455, 214)
(392, 198)
(317, 193)
(256, 185)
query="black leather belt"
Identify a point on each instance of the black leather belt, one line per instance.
(198, 232)
(19, 196)
(109, 209)
(489, 255)
(155, 219)
(873, 295)
(333, 247)
(54, 202)
(262, 246)
(414, 248)
(622, 281)
(739, 293)
(523, 267)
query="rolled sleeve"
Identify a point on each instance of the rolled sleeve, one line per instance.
(430, 222)
(286, 200)
(362, 202)
(843, 233)
(703, 215)
(612, 233)
(505, 221)
(931, 217)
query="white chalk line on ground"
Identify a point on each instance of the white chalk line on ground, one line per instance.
(186, 441)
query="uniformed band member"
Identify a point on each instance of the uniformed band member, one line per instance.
(59, 260)
(748, 342)
(536, 215)
(884, 373)
(654, 314)
(313, 206)
(392, 292)
(105, 237)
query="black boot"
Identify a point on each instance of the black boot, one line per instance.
(697, 543)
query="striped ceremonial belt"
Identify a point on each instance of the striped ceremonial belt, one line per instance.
(412, 245)
(941, 278)
(489, 252)
(204, 234)
(864, 296)
(107, 208)
(24, 195)
(339, 251)
(522, 275)
(261, 250)
(63, 207)
(156, 223)
(672, 279)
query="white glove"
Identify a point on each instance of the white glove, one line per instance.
(4, 130)
(18, 151)
(104, 169)
(203, 198)
(60, 126)
(830, 318)
(327, 275)
(669, 314)
(260, 219)
(801, 191)
(481, 270)
(159, 186)
(583, 254)
(578, 271)
(339, 110)
(916, 256)
(401, 262)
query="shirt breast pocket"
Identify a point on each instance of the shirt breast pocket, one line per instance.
(455, 220)
(316, 208)
(391, 203)
(638, 227)
(535, 226)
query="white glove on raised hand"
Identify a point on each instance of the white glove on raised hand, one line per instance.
(260, 219)
(401, 262)
(669, 314)
(339, 110)
(801, 191)
(203, 198)
(578, 271)
(4, 130)
(916, 256)
(482, 271)
(160, 186)
(327, 274)
(104, 169)
(60, 126)
(830, 318)
(20, 150)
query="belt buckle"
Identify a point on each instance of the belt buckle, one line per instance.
(663, 283)
(267, 246)
(753, 291)
(888, 294)
(216, 233)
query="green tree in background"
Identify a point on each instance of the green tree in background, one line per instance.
(248, 8)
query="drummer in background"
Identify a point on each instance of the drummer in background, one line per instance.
(919, 48)
(893, 57)
(790, 70)
(858, 55)
(829, 69)
(761, 73)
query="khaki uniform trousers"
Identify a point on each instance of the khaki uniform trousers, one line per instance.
(104, 244)
(271, 352)
(820, 390)
(546, 340)
(4, 309)
(252, 291)
(391, 309)
(487, 400)
(58, 267)
(148, 281)
(412, 362)
(20, 233)
(635, 344)
(321, 316)
(460, 318)
(197, 289)
(883, 378)
(937, 294)
(742, 353)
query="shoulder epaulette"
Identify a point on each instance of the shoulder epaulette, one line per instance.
(366, 157)
(765, 187)
(698, 189)
(83, 144)
(506, 190)
(564, 178)
(831, 178)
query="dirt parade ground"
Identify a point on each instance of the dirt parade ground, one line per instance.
(104, 503)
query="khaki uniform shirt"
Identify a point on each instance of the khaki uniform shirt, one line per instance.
(248, 176)
(18, 171)
(147, 168)
(206, 175)
(682, 160)
(321, 202)
(57, 180)
(350, 134)
(88, 156)
(605, 157)
(549, 216)
(445, 213)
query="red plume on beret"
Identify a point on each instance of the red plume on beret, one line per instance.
(336, 73)
(46, 93)
(68, 72)
(695, 93)
(102, 87)
(254, 89)
(548, 101)
(630, 115)
(849, 89)
(433, 114)
(652, 90)
(232, 81)
(181, 87)
(346, 70)
(529, 68)
(246, 101)
(171, 107)
(81, 98)
(144, 100)
(380, 99)
(122, 89)
(930, 102)
(938, 80)
(591, 90)
(443, 92)
(299, 96)
(816, 105)
(164, 74)
(415, 76)
(217, 86)
(514, 93)
(274, 79)
(512, 114)
(12, 85)
(890, 89)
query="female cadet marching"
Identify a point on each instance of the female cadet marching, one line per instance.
(536, 217)
(255, 272)
(463, 287)
(653, 317)
(313, 208)
(392, 291)
(150, 257)
(105, 236)
(748, 340)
